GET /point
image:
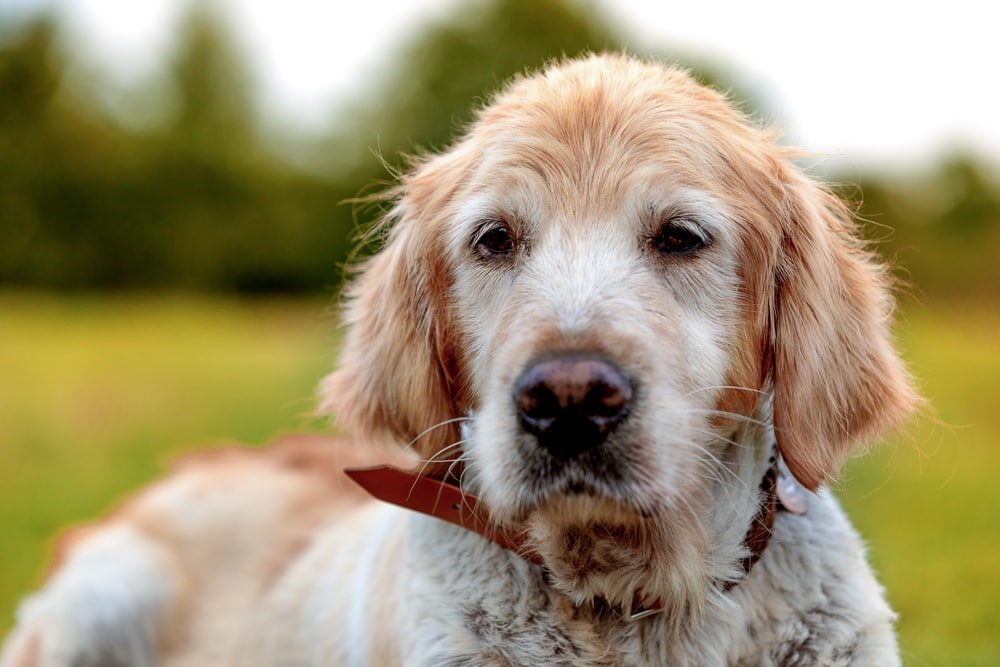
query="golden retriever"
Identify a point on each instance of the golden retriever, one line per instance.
(616, 313)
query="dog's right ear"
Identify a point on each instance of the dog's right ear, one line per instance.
(838, 378)
(399, 375)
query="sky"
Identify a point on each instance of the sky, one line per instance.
(868, 81)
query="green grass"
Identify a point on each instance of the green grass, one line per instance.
(97, 394)
(928, 503)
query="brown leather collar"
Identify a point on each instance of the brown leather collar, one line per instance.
(436, 498)
(450, 503)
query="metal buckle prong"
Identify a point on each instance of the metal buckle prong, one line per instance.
(635, 613)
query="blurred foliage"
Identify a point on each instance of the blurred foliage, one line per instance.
(942, 228)
(86, 204)
(431, 91)
(198, 203)
(200, 200)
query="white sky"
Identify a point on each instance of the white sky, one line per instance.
(873, 81)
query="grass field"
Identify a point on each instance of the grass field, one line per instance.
(97, 394)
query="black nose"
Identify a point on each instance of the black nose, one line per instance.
(570, 403)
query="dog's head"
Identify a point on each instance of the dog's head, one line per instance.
(599, 295)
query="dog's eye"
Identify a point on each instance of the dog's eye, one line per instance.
(673, 239)
(496, 242)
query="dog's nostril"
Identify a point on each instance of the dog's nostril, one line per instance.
(538, 405)
(571, 403)
(606, 400)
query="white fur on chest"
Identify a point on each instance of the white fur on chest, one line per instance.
(449, 597)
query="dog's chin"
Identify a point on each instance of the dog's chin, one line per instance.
(606, 534)
(596, 547)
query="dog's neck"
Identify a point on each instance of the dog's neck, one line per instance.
(448, 502)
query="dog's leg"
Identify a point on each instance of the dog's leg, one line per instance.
(106, 606)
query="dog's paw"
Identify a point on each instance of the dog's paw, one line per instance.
(104, 607)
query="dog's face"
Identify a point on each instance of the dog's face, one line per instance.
(598, 296)
(612, 277)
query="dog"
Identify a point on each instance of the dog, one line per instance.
(618, 341)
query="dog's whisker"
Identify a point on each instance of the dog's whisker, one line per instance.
(719, 466)
(724, 387)
(434, 459)
(437, 457)
(735, 416)
(434, 427)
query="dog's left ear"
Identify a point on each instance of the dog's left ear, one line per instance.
(838, 380)
(398, 379)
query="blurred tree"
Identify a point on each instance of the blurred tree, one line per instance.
(438, 77)
(28, 78)
(971, 199)
(214, 119)
(85, 204)
(942, 228)
(201, 204)
(35, 155)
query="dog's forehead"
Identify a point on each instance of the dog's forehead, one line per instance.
(595, 94)
(605, 125)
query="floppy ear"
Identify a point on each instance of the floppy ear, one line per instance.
(838, 380)
(398, 375)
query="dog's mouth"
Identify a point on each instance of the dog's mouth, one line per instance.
(598, 480)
